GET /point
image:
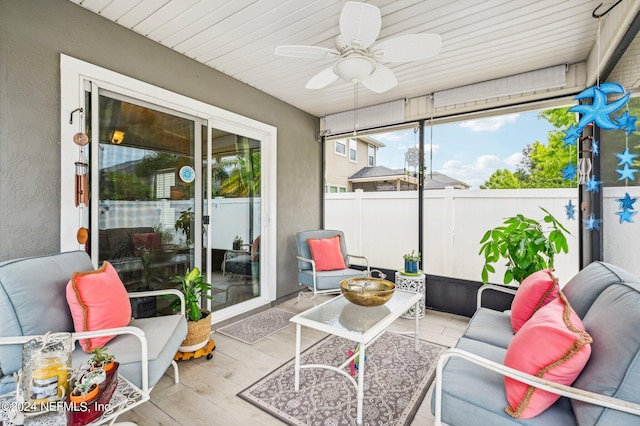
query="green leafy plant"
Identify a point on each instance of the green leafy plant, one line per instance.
(525, 245)
(100, 357)
(194, 288)
(412, 257)
(184, 222)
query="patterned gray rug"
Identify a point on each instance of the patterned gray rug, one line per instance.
(396, 381)
(256, 327)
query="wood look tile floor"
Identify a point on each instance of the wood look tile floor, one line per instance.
(206, 394)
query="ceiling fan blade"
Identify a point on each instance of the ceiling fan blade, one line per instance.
(381, 80)
(360, 24)
(322, 79)
(312, 52)
(413, 47)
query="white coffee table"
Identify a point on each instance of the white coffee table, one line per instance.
(362, 325)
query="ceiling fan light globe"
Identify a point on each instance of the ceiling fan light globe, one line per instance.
(355, 68)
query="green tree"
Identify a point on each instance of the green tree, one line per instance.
(244, 179)
(542, 163)
(501, 179)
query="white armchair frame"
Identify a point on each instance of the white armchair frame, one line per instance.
(135, 331)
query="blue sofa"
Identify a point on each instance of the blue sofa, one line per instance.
(33, 302)
(469, 388)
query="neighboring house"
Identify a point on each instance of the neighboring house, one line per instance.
(380, 178)
(344, 157)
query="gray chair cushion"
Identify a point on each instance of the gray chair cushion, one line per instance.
(32, 289)
(326, 280)
(475, 395)
(585, 287)
(490, 326)
(614, 366)
(126, 348)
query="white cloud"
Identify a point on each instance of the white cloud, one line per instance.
(474, 174)
(514, 159)
(490, 124)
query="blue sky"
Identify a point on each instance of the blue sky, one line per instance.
(469, 150)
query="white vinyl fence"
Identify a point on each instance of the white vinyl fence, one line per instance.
(384, 225)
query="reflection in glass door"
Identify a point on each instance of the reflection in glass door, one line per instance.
(232, 204)
(146, 201)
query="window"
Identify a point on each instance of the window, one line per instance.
(353, 150)
(340, 147)
(334, 189)
(165, 179)
(371, 160)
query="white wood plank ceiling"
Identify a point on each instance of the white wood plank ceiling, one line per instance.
(481, 40)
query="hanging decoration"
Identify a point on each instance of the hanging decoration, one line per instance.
(81, 177)
(600, 112)
(570, 208)
(592, 223)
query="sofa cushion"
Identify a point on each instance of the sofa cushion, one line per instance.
(326, 253)
(614, 366)
(585, 287)
(552, 345)
(32, 289)
(534, 292)
(98, 300)
(474, 396)
(490, 326)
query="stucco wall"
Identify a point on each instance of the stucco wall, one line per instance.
(33, 33)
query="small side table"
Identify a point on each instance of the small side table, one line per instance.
(417, 284)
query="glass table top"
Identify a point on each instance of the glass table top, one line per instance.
(341, 317)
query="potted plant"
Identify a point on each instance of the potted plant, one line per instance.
(101, 359)
(526, 245)
(84, 391)
(194, 288)
(411, 262)
(237, 243)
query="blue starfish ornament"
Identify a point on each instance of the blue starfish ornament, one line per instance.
(569, 172)
(627, 122)
(595, 148)
(626, 173)
(627, 202)
(571, 135)
(626, 157)
(592, 223)
(571, 211)
(626, 215)
(593, 184)
(599, 110)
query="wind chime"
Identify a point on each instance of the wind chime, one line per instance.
(81, 177)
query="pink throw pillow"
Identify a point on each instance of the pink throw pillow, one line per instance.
(98, 300)
(552, 345)
(534, 292)
(326, 253)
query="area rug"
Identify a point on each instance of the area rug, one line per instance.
(256, 327)
(396, 381)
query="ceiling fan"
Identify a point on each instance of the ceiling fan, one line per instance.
(359, 60)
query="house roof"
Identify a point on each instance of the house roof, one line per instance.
(432, 180)
(481, 41)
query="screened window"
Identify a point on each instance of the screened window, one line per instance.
(353, 150)
(340, 147)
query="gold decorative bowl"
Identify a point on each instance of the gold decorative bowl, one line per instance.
(367, 291)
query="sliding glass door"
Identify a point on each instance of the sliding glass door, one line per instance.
(232, 207)
(147, 217)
